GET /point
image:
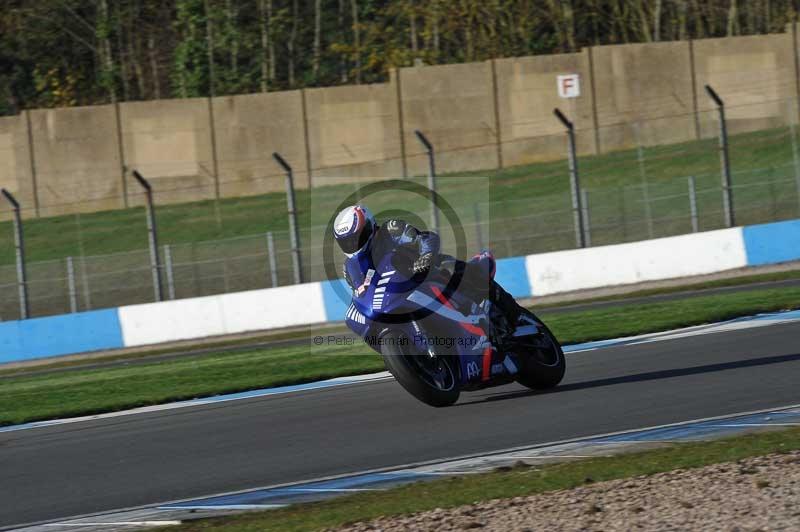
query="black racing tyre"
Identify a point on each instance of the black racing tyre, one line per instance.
(432, 381)
(542, 365)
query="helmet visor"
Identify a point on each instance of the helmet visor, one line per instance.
(351, 244)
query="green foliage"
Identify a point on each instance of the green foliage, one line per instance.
(57, 88)
(143, 49)
(190, 72)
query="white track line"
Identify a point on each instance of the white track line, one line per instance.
(118, 523)
(418, 466)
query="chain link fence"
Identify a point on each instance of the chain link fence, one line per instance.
(91, 261)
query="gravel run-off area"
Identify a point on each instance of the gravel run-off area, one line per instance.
(760, 493)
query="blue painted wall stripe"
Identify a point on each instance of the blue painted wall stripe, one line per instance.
(513, 276)
(97, 330)
(60, 335)
(335, 306)
(772, 243)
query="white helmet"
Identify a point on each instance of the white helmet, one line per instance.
(353, 229)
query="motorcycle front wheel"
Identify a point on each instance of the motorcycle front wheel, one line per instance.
(432, 380)
(542, 361)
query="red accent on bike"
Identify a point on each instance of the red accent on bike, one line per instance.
(360, 217)
(487, 363)
(474, 329)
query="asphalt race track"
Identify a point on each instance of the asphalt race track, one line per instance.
(119, 462)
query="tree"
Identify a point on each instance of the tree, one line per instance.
(142, 49)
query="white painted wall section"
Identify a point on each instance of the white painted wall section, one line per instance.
(273, 308)
(168, 321)
(648, 260)
(232, 313)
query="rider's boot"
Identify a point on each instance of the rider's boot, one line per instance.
(478, 282)
(505, 303)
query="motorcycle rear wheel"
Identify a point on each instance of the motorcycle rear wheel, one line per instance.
(432, 381)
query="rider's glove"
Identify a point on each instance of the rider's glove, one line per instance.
(423, 263)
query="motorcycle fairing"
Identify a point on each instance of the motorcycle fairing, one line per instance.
(386, 296)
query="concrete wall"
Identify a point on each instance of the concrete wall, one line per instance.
(313, 303)
(249, 129)
(169, 142)
(354, 131)
(754, 75)
(526, 97)
(480, 116)
(454, 106)
(15, 166)
(643, 94)
(77, 159)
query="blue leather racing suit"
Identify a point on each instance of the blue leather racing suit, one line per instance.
(397, 236)
(477, 274)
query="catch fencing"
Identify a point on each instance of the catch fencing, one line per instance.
(86, 261)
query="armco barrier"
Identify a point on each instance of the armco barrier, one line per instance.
(313, 303)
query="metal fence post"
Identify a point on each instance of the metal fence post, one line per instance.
(693, 204)
(19, 246)
(795, 157)
(587, 224)
(727, 192)
(73, 293)
(575, 186)
(155, 259)
(648, 210)
(168, 271)
(478, 230)
(87, 291)
(226, 281)
(273, 263)
(431, 177)
(294, 232)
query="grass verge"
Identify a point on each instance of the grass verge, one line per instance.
(730, 282)
(90, 391)
(226, 344)
(518, 481)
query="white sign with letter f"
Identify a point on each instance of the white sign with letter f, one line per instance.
(569, 86)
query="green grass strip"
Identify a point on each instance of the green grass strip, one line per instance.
(519, 481)
(758, 159)
(91, 391)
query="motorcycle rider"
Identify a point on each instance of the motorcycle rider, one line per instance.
(358, 234)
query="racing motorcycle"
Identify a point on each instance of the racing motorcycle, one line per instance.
(437, 342)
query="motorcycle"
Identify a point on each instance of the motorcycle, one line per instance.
(437, 342)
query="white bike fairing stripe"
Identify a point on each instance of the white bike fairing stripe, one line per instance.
(526, 330)
(429, 303)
